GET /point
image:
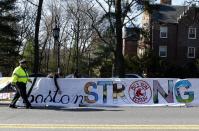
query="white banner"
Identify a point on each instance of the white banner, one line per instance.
(114, 92)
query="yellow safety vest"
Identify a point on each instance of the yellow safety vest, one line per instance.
(19, 75)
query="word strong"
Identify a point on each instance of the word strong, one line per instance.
(138, 92)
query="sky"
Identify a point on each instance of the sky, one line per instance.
(176, 2)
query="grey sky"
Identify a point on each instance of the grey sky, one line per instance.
(176, 2)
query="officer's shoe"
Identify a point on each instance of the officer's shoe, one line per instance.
(12, 106)
(28, 107)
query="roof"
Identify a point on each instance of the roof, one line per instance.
(168, 13)
(132, 33)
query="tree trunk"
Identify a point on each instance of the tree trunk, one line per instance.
(120, 68)
(77, 45)
(36, 40)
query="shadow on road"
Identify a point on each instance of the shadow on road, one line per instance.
(72, 109)
(78, 109)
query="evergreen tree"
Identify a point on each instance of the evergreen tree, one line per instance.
(8, 35)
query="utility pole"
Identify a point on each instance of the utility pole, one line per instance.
(56, 31)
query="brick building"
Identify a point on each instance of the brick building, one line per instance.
(131, 36)
(173, 32)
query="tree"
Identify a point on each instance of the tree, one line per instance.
(75, 35)
(36, 40)
(80, 31)
(8, 35)
(190, 2)
(126, 11)
(26, 28)
(120, 69)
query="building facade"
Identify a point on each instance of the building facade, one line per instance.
(173, 32)
(131, 36)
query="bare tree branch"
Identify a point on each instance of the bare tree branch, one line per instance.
(100, 4)
(32, 3)
(130, 19)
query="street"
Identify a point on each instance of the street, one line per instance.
(95, 118)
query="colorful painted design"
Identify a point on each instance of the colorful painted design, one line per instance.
(118, 92)
(157, 88)
(104, 84)
(87, 90)
(183, 86)
(140, 92)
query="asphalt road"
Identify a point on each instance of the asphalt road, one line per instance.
(99, 118)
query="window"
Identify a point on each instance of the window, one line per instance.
(163, 51)
(191, 52)
(192, 33)
(163, 32)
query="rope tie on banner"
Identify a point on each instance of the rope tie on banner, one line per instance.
(56, 83)
(33, 83)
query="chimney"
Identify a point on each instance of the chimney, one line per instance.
(167, 2)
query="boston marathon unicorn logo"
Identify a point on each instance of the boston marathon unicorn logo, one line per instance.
(140, 92)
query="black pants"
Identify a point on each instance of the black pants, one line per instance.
(20, 91)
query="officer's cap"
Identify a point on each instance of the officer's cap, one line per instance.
(22, 61)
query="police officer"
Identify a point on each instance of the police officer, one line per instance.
(19, 79)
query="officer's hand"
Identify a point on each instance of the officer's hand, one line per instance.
(29, 80)
(13, 84)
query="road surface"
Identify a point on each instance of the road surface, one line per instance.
(99, 118)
